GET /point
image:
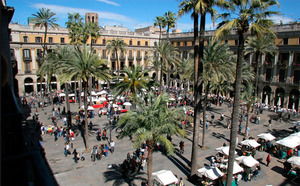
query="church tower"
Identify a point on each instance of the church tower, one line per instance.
(91, 18)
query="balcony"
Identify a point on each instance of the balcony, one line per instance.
(138, 57)
(27, 71)
(130, 57)
(27, 59)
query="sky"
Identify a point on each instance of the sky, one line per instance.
(129, 13)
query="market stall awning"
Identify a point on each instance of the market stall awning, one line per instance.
(249, 161)
(211, 173)
(223, 150)
(266, 136)
(295, 160)
(290, 141)
(165, 177)
(251, 143)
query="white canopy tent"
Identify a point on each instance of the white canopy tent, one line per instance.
(249, 161)
(236, 168)
(93, 93)
(223, 150)
(291, 141)
(71, 95)
(211, 173)
(266, 136)
(165, 177)
(127, 104)
(295, 160)
(102, 99)
(61, 94)
(251, 143)
(102, 92)
(89, 107)
(172, 99)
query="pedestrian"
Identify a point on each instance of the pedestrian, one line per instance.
(112, 146)
(247, 131)
(75, 153)
(181, 183)
(181, 146)
(270, 123)
(268, 160)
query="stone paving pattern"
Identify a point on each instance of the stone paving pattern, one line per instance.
(91, 173)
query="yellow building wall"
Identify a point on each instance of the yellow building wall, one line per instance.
(293, 41)
(231, 42)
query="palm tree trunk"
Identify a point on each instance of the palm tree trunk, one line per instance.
(149, 163)
(80, 90)
(247, 122)
(257, 73)
(236, 107)
(69, 118)
(204, 115)
(85, 127)
(44, 43)
(118, 65)
(161, 75)
(197, 104)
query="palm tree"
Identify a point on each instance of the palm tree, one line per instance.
(196, 7)
(185, 70)
(151, 123)
(84, 65)
(247, 15)
(249, 100)
(60, 56)
(44, 18)
(160, 21)
(77, 30)
(170, 19)
(260, 46)
(168, 56)
(217, 64)
(93, 31)
(134, 82)
(116, 46)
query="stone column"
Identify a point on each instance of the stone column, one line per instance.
(34, 84)
(58, 84)
(18, 56)
(251, 58)
(261, 75)
(134, 57)
(126, 59)
(289, 70)
(274, 71)
(34, 64)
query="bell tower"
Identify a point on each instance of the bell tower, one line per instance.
(91, 17)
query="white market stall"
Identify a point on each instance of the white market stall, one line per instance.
(249, 161)
(251, 143)
(164, 177)
(266, 136)
(236, 168)
(290, 141)
(294, 160)
(211, 173)
(224, 150)
(127, 104)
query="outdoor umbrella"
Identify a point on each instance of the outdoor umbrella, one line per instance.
(61, 94)
(290, 141)
(165, 177)
(102, 99)
(127, 104)
(223, 150)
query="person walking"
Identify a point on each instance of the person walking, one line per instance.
(75, 153)
(181, 146)
(268, 160)
(112, 146)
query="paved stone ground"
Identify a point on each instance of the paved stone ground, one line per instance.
(91, 173)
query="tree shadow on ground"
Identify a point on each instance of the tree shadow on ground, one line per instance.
(188, 162)
(119, 176)
(219, 136)
(280, 133)
(184, 169)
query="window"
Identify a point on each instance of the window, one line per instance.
(285, 41)
(62, 40)
(38, 39)
(103, 53)
(50, 40)
(297, 76)
(178, 43)
(113, 65)
(103, 41)
(130, 53)
(236, 42)
(130, 42)
(93, 41)
(122, 64)
(226, 41)
(25, 39)
(138, 54)
(185, 43)
(155, 43)
(39, 53)
(26, 55)
(146, 43)
(268, 74)
(281, 75)
(138, 43)
(130, 64)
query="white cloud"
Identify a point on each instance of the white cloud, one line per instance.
(142, 25)
(185, 27)
(109, 2)
(281, 19)
(104, 15)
